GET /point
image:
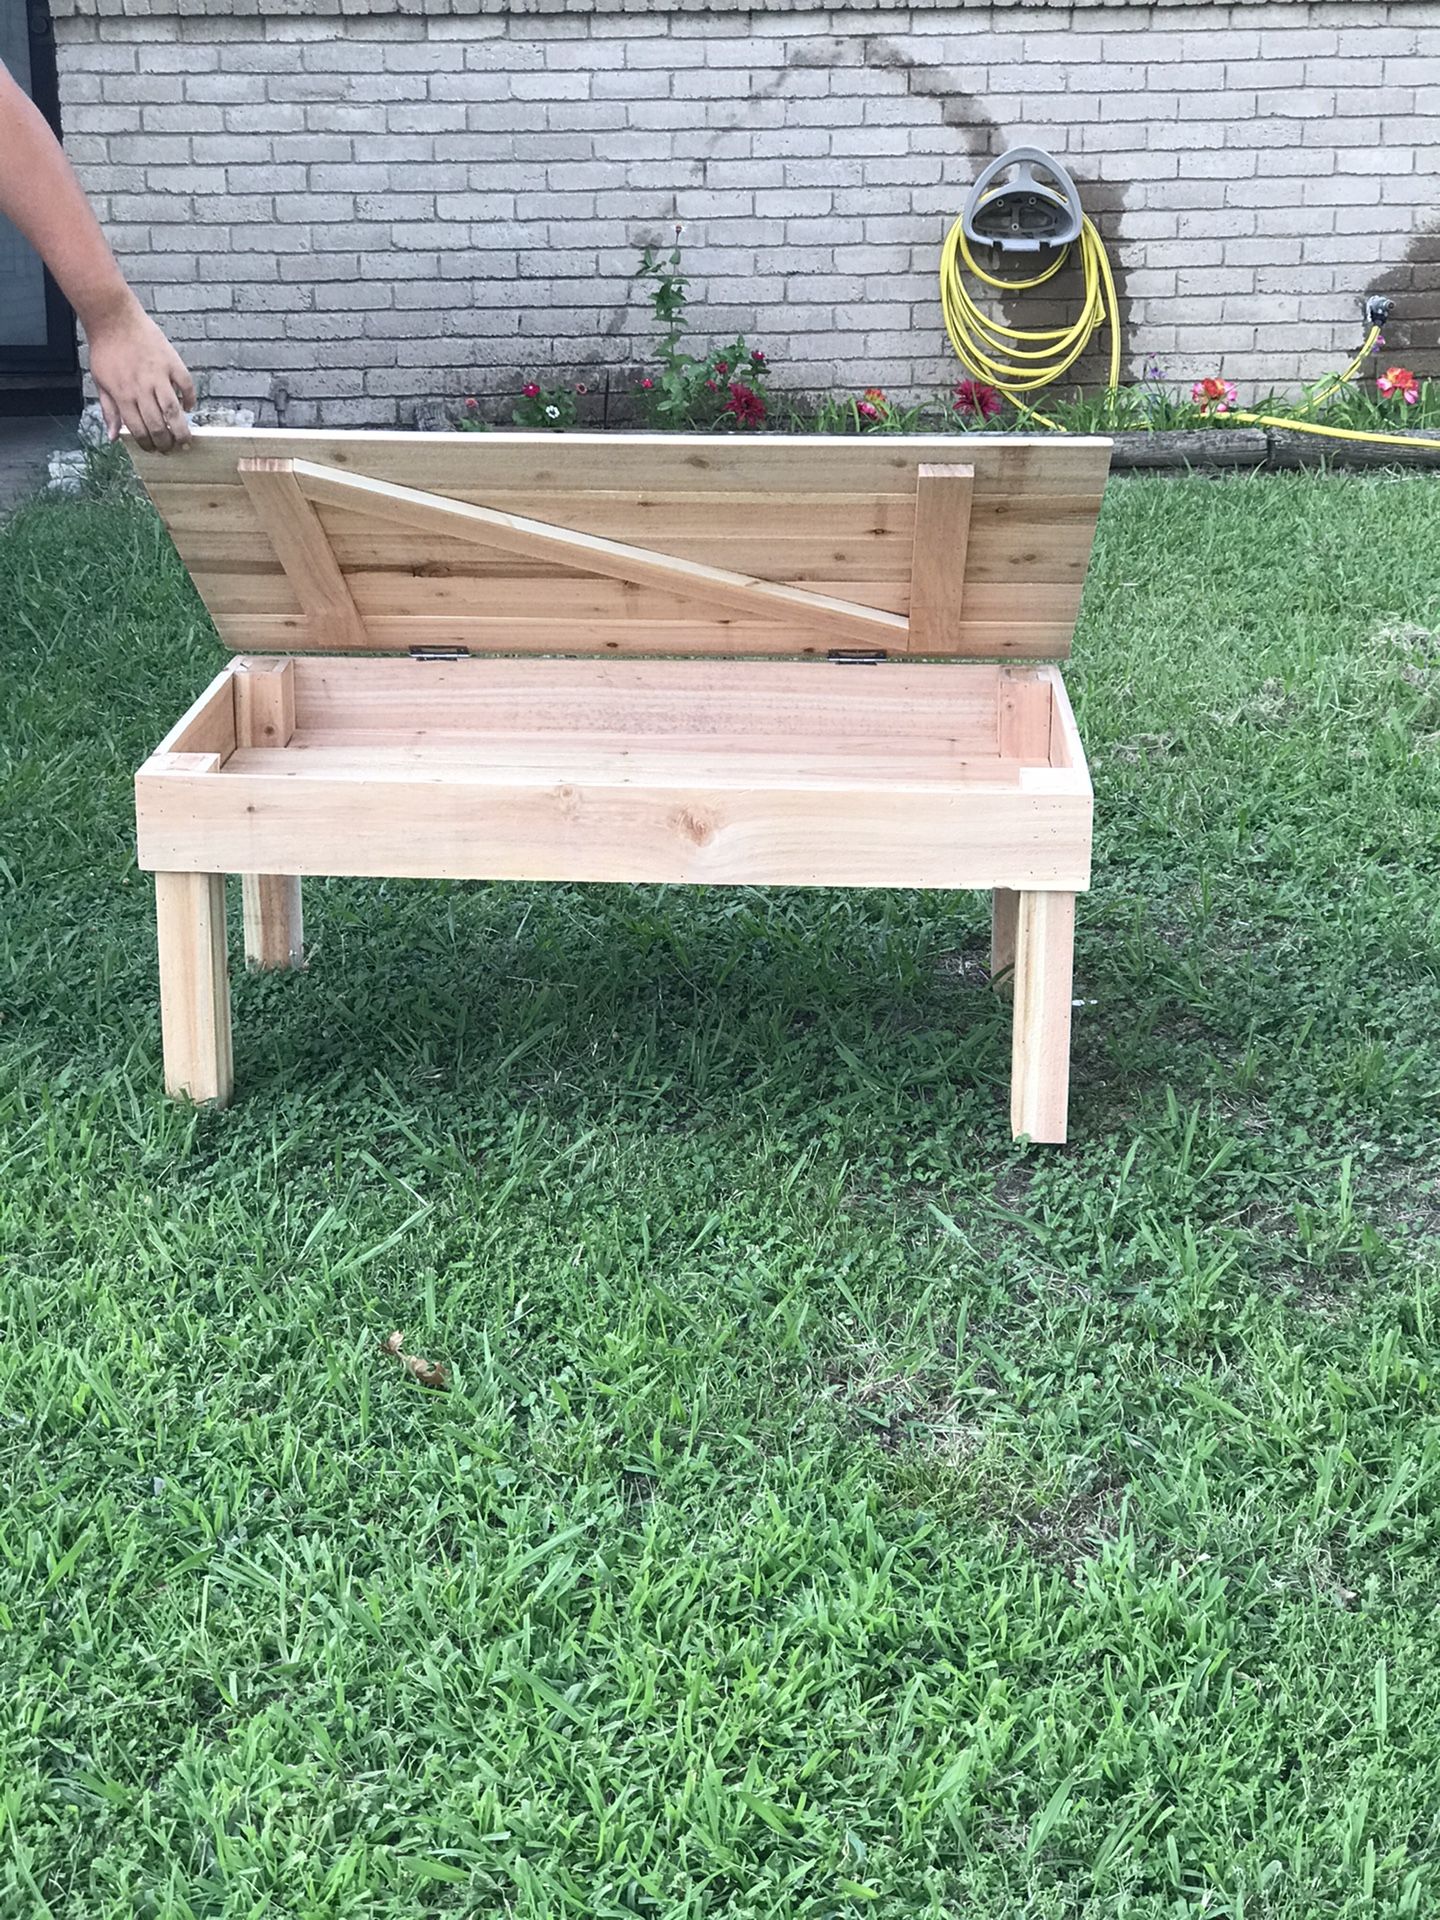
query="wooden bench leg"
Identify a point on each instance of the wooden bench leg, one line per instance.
(1040, 1058)
(274, 921)
(1004, 906)
(194, 985)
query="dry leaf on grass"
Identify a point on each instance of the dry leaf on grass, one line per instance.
(429, 1373)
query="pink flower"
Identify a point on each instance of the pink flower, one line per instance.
(582, 388)
(867, 410)
(722, 366)
(645, 385)
(1214, 395)
(975, 398)
(471, 403)
(757, 358)
(1401, 383)
(531, 390)
(745, 405)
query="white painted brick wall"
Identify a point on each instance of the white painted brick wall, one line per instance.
(344, 216)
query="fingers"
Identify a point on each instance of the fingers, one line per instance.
(167, 429)
(175, 413)
(183, 384)
(148, 424)
(143, 383)
(157, 420)
(109, 413)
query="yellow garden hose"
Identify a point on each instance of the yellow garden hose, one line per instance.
(1018, 361)
(1331, 433)
(991, 350)
(1318, 399)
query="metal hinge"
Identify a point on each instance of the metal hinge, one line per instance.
(433, 654)
(856, 656)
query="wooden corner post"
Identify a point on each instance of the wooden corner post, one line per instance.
(1040, 1054)
(194, 986)
(273, 908)
(1004, 912)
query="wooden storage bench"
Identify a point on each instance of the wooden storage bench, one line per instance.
(539, 724)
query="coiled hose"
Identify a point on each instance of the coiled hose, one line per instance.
(992, 351)
(1018, 361)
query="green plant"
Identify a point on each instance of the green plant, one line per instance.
(1362, 405)
(724, 387)
(1149, 405)
(109, 472)
(871, 412)
(547, 409)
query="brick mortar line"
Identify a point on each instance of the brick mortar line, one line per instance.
(1315, 10)
(354, 212)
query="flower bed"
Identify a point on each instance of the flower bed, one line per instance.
(1153, 421)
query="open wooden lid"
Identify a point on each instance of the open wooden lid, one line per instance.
(970, 545)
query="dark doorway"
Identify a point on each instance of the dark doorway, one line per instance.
(39, 370)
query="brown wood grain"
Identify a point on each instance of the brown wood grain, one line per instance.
(834, 518)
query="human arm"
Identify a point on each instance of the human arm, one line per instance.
(142, 382)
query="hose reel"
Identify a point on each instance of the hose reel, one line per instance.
(1025, 213)
(1014, 210)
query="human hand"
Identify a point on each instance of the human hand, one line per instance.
(142, 382)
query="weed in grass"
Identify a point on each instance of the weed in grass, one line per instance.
(834, 1509)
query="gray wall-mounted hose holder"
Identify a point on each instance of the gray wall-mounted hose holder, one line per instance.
(1024, 214)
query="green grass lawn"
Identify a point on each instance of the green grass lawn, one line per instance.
(837, 1509)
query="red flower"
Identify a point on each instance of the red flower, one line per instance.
(722, 366)
(757, 358)
(645, 385)
(975, 398)
(745, 404)
(1400, 382)
(530, 390)
(1214, 395)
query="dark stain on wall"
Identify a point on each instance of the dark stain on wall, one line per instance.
(816, 54)
(977, 140)
(981, 140)
(1412, 335)
(1105, 201)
